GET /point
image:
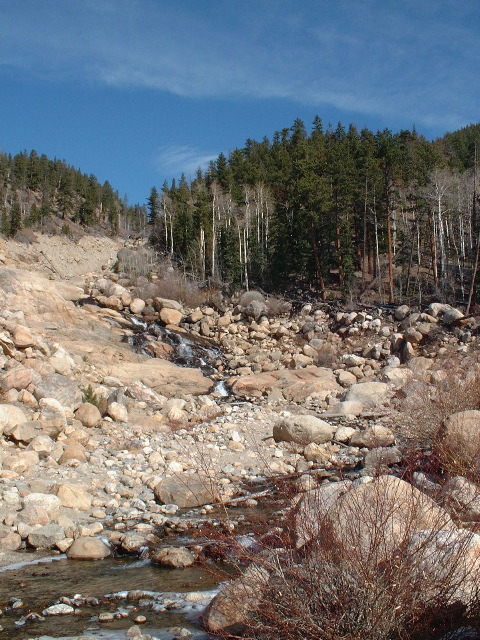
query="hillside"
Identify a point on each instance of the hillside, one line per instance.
(52, 196)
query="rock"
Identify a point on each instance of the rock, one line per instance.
(164, 303)
(88, 548)
(117, 412)
(313, 508)
(170, 316)
(25, 432)
(20, 461)
(436, 309)
(343, 434)
(346, 379)
(74, 497)
(137, 305)
(229, 610)
(303, 429)
(62, 362)
(401, 312)
(61, 388)
(371, 437)
(52, 417)
(10, 541)
(345, 408)
(11, 416)
(296, 385)
(23, 337)
(319, 453)
(175, 557)
(451, 561)
(43, 445)
(463, 498)
(412, 335)
(381, 457)
(73, 451)
(17, 378)
(165, 378)
(186, 490)
(370, 394)
(376, 517)
(46, 537)
(46, 501)
(88, 414)
(59, 610)
(451, 315)
(134, 542)
(396, 376)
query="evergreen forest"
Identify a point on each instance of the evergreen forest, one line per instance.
(54, 197)
(335, 209)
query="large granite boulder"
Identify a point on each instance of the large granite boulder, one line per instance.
(303, 429)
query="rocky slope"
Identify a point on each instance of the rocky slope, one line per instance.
(98, 438)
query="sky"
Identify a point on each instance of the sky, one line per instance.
(139, 91)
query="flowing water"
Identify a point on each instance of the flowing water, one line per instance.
(188, 351)
(41, 584)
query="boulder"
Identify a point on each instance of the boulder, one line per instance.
(88, 548)
(52, 417)
(17, 378)
(370, 394)
(88, 414)
(11, 416)
(186, 491)
(74, 497)
(137, 305)
(175, 557)
(117, 412)
(170, 316)
(46, 537)
(23, 337)
(462, 497)
(46, 501)
(229, 610)
(61, 388)
(296, 385)
(163, 377)
(377, 517)
(165, 303)
(25, 432)
(345, 408)
(371, 437)
(134, 542)
(73, 451)
(374, 517)
(10, 541)
(303, 429)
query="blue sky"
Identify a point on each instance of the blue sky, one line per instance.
(137, 91)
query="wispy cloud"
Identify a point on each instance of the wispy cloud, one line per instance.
(376, 58)
(181, 158)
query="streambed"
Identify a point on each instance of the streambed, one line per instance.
(166, 597)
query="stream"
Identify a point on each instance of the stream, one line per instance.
(166, 597)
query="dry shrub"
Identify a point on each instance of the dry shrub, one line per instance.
(427, 405)
(278, 307)
(327, 356)
(343, 585)
(424, 415)
(251, 296)
(174, 287)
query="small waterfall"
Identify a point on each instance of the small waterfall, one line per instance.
(188, 351)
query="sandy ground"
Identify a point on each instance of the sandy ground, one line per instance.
(60, 257)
